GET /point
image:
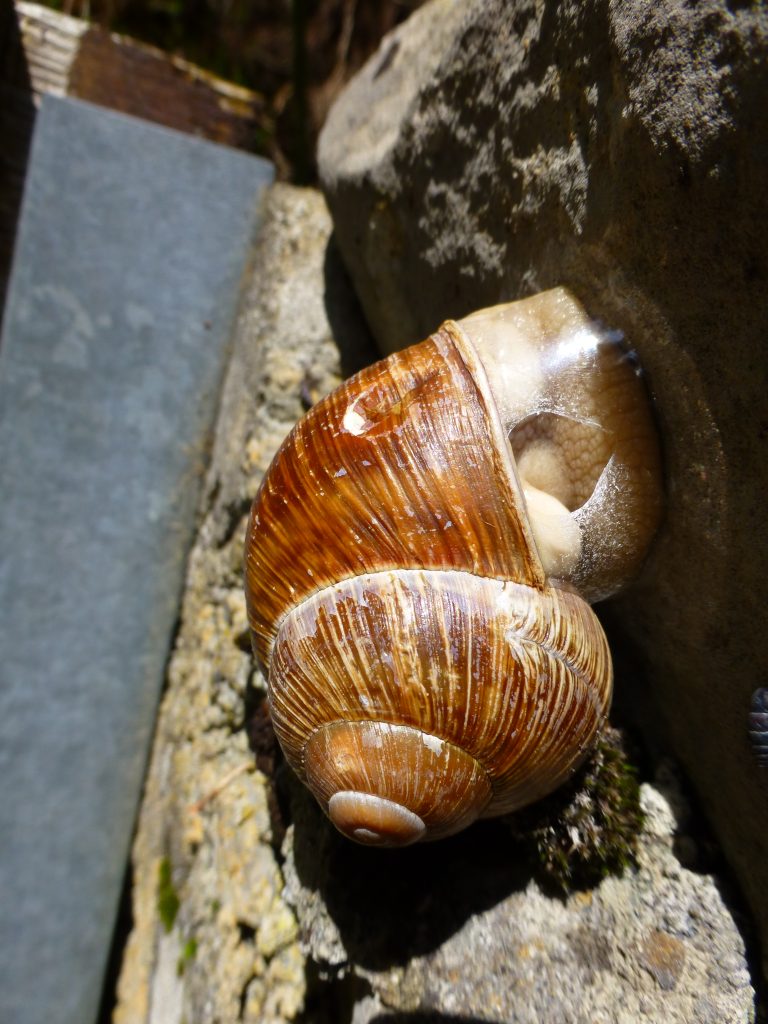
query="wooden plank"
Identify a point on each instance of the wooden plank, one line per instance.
(70, 57)
(17, 115)
(44, 52)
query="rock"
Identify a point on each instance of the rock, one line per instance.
(215, 941)
(493, 149)
(266, 927)
(458, 929)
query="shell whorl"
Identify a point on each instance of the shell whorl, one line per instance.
(373, 820)
(406, 464)
(515, 680)
(393, 782)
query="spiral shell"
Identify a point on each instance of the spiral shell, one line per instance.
(413, 560)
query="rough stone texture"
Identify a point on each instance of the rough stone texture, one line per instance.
(326, 930)
(232, 954)
(459, 930)
(492, 149)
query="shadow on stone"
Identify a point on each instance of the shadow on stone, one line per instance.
(392, 905)
(695, 845)
(425, 1018)
(345, 315)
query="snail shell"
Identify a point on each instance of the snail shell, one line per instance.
(417, 563)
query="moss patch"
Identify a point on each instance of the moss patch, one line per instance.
(590, 829)
(188, 954)
(167, 897)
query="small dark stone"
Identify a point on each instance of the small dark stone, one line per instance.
(758, 726)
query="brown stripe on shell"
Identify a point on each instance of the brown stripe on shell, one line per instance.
(404, 465)
(518, 678)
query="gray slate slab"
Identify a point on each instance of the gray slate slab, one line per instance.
(132, 242)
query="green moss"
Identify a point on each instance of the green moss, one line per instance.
(188, 954)
(590, 829)
(167, 897)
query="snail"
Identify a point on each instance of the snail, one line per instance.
(758, 726)
(419, 563)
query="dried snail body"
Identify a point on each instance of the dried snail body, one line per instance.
(419, 561)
